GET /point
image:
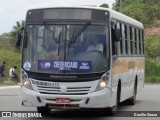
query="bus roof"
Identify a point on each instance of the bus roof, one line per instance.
(113, 14)
(122, 17)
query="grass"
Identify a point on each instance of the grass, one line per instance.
(12, 58)
(4, 81)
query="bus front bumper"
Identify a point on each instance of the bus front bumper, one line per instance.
(97, 99)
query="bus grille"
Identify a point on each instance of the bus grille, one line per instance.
(45, 88)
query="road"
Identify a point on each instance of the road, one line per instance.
(147, 100)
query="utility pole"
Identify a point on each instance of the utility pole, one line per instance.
(120, 6)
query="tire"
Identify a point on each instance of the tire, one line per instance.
(44, 110)
(132, 100)
(113, 110)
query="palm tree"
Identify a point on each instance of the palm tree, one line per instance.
(18, 25)
(15, 28)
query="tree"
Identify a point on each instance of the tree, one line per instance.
(10, 37)
(18, 25)
(116, 5)
(145, 11)
(104, 5)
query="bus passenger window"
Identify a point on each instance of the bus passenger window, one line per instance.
(113, 43)
(125, 37)
(117, 47)
(140, 42)
(131, 39)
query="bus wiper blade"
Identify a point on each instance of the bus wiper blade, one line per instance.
(50, 31)
(73, 39)
(59, 39)
(79, 33)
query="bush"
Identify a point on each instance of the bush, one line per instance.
(152, 72)
(152, 47)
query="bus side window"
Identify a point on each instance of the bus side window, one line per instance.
(140, 42)
(142, 37)
(121, 41)
(117, 42)
(130, 39)
(126, 42)
(113, 43)
(135, 39)
(118, 45)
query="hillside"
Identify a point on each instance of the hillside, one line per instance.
(152, 54)
(152, 31)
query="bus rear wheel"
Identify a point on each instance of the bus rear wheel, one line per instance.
(43, 110)
(132, 100)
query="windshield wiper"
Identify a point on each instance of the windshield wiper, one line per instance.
(50, 31)
(74, 38)
(59, 39)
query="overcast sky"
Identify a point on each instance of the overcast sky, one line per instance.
(15, 10)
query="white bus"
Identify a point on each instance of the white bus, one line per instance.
(80, 57)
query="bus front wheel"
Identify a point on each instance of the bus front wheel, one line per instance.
(113, 110)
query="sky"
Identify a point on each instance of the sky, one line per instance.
(15, 10)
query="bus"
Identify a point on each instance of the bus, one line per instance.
(80, 57)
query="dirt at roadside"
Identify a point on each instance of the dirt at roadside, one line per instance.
(152, 31)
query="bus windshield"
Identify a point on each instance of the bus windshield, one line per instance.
(66, 48)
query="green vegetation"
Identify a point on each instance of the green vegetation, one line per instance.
(12, 58)
(152, 54)
(152, 72)
(5, 82)
(18, 25)
(146, 11)
(9, 54)
(104, 5)
(152, 49)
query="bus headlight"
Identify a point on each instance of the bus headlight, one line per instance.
(102, 83)
(26, 82)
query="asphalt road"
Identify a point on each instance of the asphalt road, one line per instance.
(148, 101)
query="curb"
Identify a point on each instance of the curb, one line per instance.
(9, 87)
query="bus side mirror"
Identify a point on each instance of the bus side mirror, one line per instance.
(19, 37)
(118, 36)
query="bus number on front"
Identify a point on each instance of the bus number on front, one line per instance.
(55, 84)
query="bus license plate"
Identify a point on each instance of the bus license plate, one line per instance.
(63, 100)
